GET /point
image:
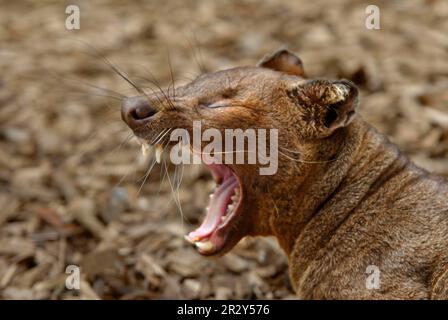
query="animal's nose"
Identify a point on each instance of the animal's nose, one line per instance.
(136, 110)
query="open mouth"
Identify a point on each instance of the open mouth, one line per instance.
(224, 203)
(212, 235)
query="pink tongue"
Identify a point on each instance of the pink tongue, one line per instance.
(217, 209)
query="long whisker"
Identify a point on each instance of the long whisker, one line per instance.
(80, 154)
(153, 161)
(72, 83)
(223, 152)
(305, 161)
(126, 140)
(175, 198)
(121, 180)
(172, 77)
(201, 66)
(112, 92)
(165, 172)
(86, 94)
(157, 137)
(292, 151)
(180, 177)
(162, 137)
(146, 175)
(159, 87)
(95, 52)
(121, 74)
(201, 57)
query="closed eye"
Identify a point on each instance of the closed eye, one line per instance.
(219, 104)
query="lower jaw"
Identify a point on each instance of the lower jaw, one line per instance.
(217, 233)
(219, 244)
(219, 241)
(227, 240)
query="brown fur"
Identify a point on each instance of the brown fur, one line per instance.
(344, 197)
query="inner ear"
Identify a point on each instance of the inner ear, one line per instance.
(331, 104)
(339, 101)
(283, 61)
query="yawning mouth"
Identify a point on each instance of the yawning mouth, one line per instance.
(223, 207)
(214, 233)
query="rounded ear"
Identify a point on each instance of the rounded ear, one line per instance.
(330, 104)
(284, 61)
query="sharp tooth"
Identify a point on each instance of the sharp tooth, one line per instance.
(186, 237)
(234, 197)
(223, 218)
(159, 151)
(145, 149)
(230, 207)
(237, 190)
(204, 246)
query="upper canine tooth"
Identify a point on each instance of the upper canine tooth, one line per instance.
(159, 151)
(145, 149)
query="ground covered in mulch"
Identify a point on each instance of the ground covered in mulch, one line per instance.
(71, 176)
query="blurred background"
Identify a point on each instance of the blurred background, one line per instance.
(71, 173)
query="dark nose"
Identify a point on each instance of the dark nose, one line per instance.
(136, 110)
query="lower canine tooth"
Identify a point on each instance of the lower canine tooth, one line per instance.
(159, 151)
(204, 246)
